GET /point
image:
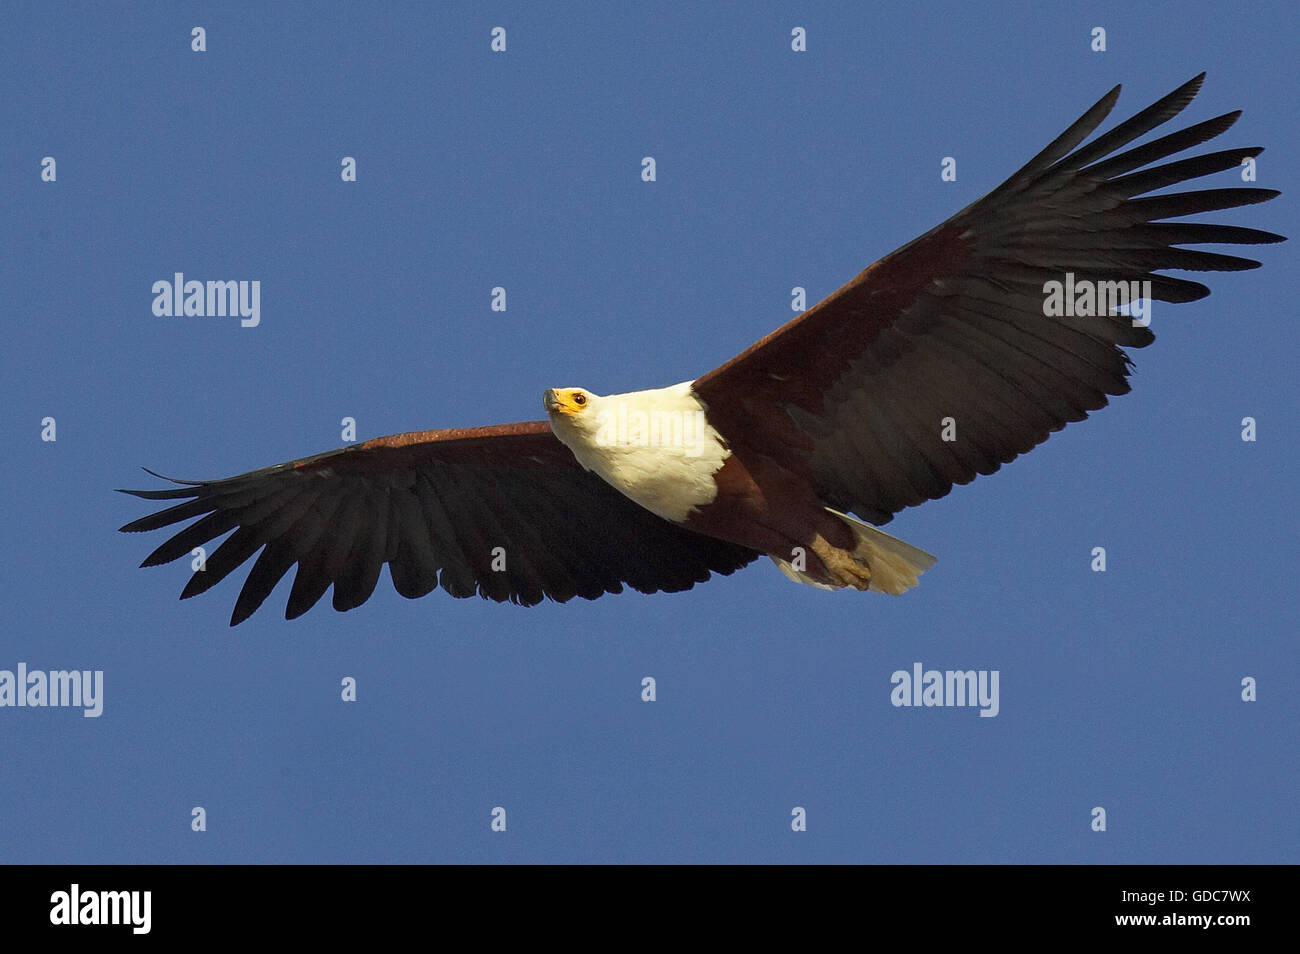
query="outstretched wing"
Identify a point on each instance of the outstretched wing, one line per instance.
(852, 393)
(435, 506)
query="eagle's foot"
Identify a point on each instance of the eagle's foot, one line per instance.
(844, 568)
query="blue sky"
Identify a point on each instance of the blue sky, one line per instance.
(522, 169)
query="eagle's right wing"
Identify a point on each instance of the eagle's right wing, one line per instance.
(434, 506)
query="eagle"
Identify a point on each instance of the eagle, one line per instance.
(943, 360)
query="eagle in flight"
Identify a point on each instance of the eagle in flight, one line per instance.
(839, 412)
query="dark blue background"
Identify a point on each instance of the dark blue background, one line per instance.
(522, 169)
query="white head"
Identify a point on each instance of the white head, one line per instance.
(655, 446)
(574, 413)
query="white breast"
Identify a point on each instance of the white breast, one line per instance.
(656, 447)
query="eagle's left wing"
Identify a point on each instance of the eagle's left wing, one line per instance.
(852, 393)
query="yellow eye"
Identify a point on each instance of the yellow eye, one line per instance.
(579, 398)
